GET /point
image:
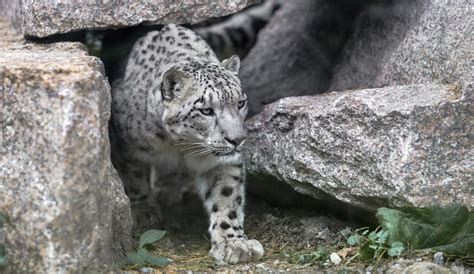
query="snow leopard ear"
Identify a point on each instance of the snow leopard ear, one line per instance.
(172, 83)
(232, 64)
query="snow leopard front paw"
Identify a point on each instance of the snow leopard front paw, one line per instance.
(236, 250)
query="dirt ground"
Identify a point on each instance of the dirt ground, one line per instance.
(294, 240)
(284, 233)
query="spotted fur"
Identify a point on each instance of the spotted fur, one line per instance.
(178, 106)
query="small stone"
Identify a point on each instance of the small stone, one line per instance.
(335, 259)
(245, 268)
(396, 267)
(325, 234)
(346, 231)
(438, 258)
(425, 267)
(458, 268)
(276, 262)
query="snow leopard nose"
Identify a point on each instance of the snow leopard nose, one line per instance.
(236, 141)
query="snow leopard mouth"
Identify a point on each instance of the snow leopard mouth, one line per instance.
(234, 151)
(230, 153)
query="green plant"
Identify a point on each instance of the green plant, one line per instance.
(449, 229)
(373, 245)
(142, 256)
(320, 255)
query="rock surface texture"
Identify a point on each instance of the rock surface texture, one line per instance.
(294, 54)
(409, 42)
(67, 206)
(43, 18)
(393, 146)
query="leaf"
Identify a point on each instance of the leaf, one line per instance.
(396, 249)
(372, 236)
(151, 236)
(2, 261)
(379, 251)
(142, 257)
(319, 255)
(374, 247)
(156, 260)
(365, 252)
(448, 229)
(138, 257)
(354, 239)
(382, 237)
(346, 251)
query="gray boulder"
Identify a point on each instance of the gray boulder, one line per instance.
(408, 42)
(66, 204)
(295, 52)
(392, 146)
(43, 18)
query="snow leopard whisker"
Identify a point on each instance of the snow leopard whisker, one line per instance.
(193, 147)
(190, 148)
(189, 145)
(204, 153)
(181, 144)
(197, 150)
(195, 153)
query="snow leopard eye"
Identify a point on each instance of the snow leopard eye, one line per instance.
(241, 103)
(206, 111)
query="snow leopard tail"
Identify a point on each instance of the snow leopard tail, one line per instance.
(238, 33)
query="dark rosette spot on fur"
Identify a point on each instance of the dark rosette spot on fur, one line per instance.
(227, 191)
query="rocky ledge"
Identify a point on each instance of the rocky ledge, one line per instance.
(43, 18)
(392, 146)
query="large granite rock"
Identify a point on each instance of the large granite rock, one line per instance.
(67, 206)
(393, 146)
(295, 53)
(409, 42)
(43, 18)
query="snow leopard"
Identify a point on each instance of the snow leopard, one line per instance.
(177, 105)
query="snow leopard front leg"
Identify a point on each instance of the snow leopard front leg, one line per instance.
(224, 198)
